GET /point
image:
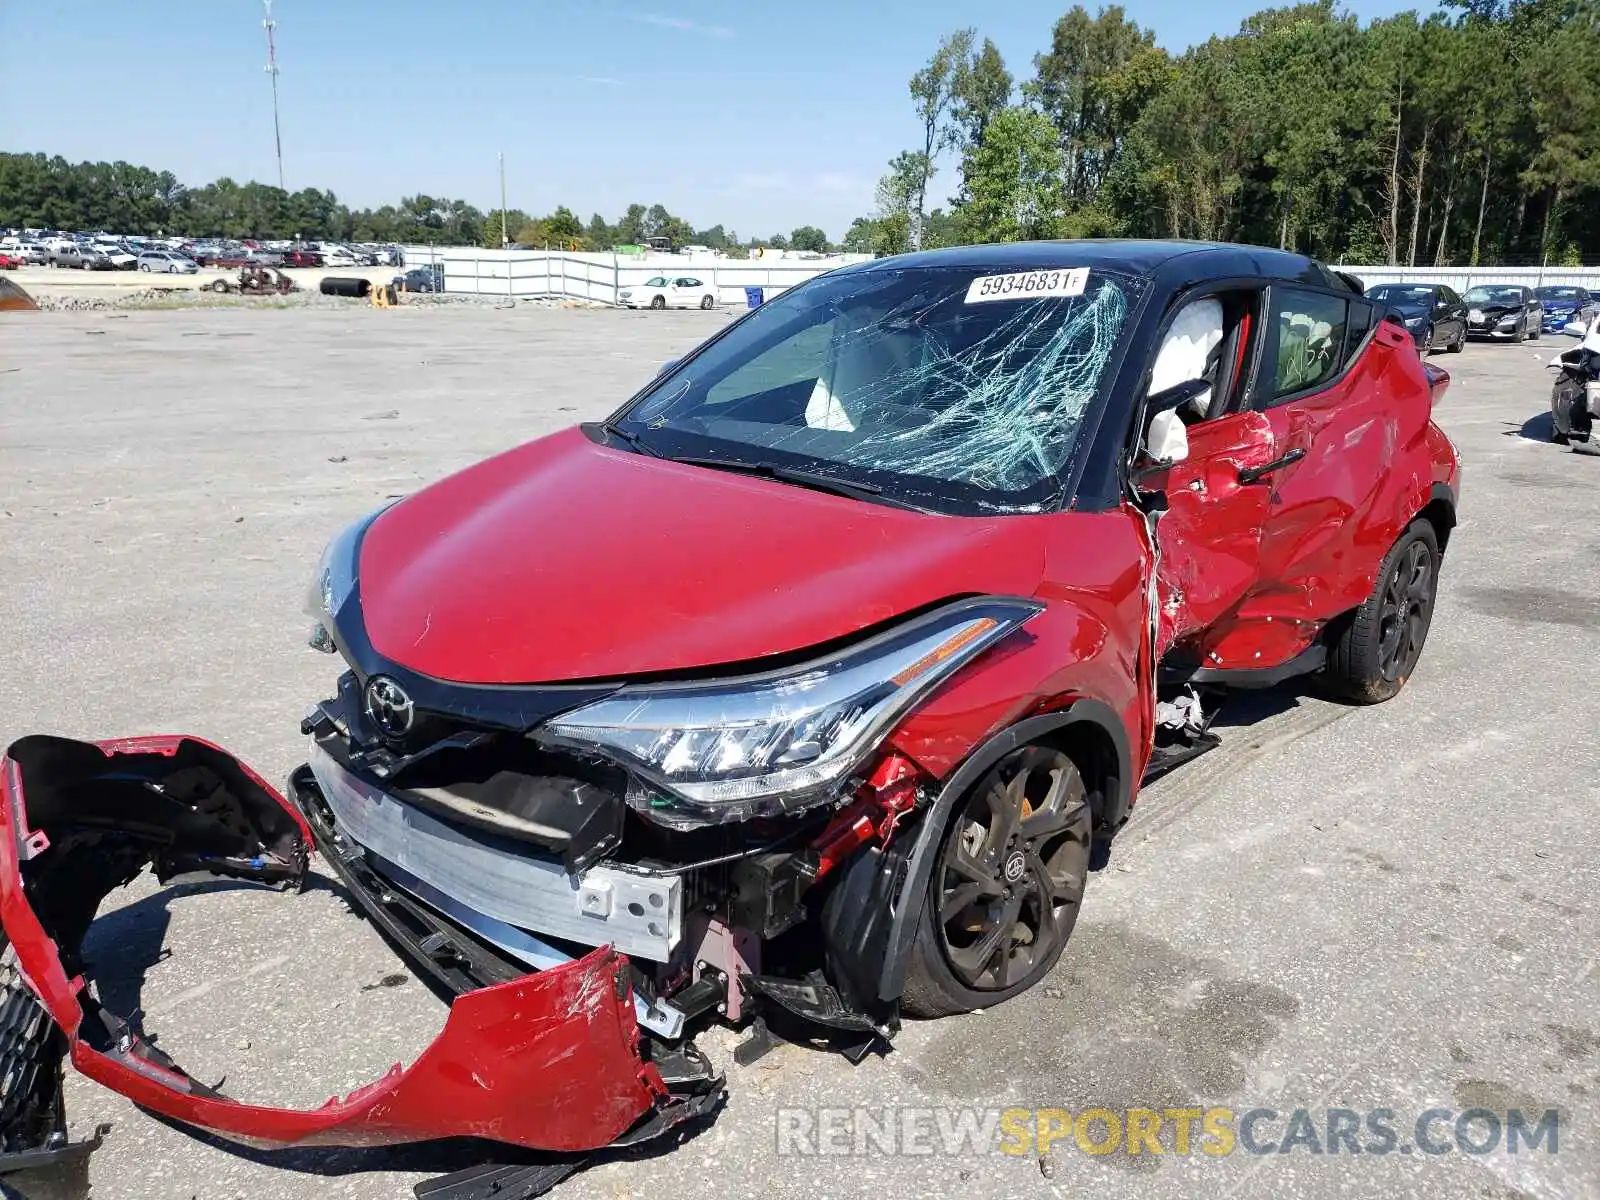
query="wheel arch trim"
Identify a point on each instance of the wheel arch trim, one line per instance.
(1119, 792)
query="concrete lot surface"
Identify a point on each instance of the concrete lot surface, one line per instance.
(1381, 908)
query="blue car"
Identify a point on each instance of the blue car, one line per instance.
(1564, 304)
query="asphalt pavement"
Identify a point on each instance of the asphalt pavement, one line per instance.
(1346, 909)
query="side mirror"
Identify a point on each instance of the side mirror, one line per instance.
(1573, 329)
(667, 366)
(1167, 440)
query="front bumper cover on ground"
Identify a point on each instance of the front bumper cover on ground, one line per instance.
(546, 1061)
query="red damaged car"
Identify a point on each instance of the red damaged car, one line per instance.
(807, 689)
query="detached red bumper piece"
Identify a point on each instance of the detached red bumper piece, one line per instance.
(548, 1061)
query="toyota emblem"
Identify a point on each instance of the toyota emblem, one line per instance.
(388, 706)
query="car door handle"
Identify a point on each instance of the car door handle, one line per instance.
(1252, 474)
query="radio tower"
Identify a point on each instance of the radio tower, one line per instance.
(272, 70)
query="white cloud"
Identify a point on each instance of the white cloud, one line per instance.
(606, 80)
(684, 25)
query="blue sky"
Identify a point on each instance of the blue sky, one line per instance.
(755, 114)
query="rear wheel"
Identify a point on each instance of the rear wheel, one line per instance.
(1006, 889)
(708, 302)
(1375, 653)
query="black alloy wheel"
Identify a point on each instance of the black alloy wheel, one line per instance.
(1007, 887)
(1405, 611)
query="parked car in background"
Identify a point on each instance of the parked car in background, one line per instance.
(302, 258)
(167, 262)
(206, 253)
(80, 257)
(681, 291)
(8, 260)
(1503, 310)
(261, 257)
(122, 256)
(338, 256)
(1433, 314)
(421, 279)
(28, 254)
(1567, 305)
(229, 258)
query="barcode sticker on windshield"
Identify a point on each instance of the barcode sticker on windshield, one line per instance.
(1028, 285)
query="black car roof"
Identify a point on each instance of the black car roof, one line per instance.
(1182, 259)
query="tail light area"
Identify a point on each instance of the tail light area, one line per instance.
(1438, 381)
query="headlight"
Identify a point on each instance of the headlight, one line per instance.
(1413, 322)
(765, 744)
(335, 580)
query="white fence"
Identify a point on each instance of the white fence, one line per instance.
(597, 277)
(1461, 278)
(524, 274)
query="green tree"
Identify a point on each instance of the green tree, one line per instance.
(933, 94)
(1073, 85)
(1014, 184)
(809, 238)
(981, 88)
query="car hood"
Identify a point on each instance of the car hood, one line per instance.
(565, 560)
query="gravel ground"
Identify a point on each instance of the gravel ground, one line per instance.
(1391, 907)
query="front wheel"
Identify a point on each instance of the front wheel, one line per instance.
(1005, 892)
(145, 267)
(1460, 344)
(658, 301)
(708, 302)
(1374, 654)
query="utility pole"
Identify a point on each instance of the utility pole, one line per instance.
(505, 239)
(272, 70)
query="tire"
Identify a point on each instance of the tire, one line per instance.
(1006, 887)
(658, 301)
(1536, 332)
(219, 285)
(1460, 344)
(1428, 345)
(145, 267)
(1377, 649)
(708, 302)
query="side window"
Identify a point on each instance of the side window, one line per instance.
(1362, 315)
(1309, 329)
(689, 282)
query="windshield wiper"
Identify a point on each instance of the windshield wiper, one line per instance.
(632, 440)
(810, 479)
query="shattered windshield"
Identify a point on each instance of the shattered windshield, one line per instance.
(923, 383)
(1493, 295)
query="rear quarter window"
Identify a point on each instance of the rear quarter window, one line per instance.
(1309, 339)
